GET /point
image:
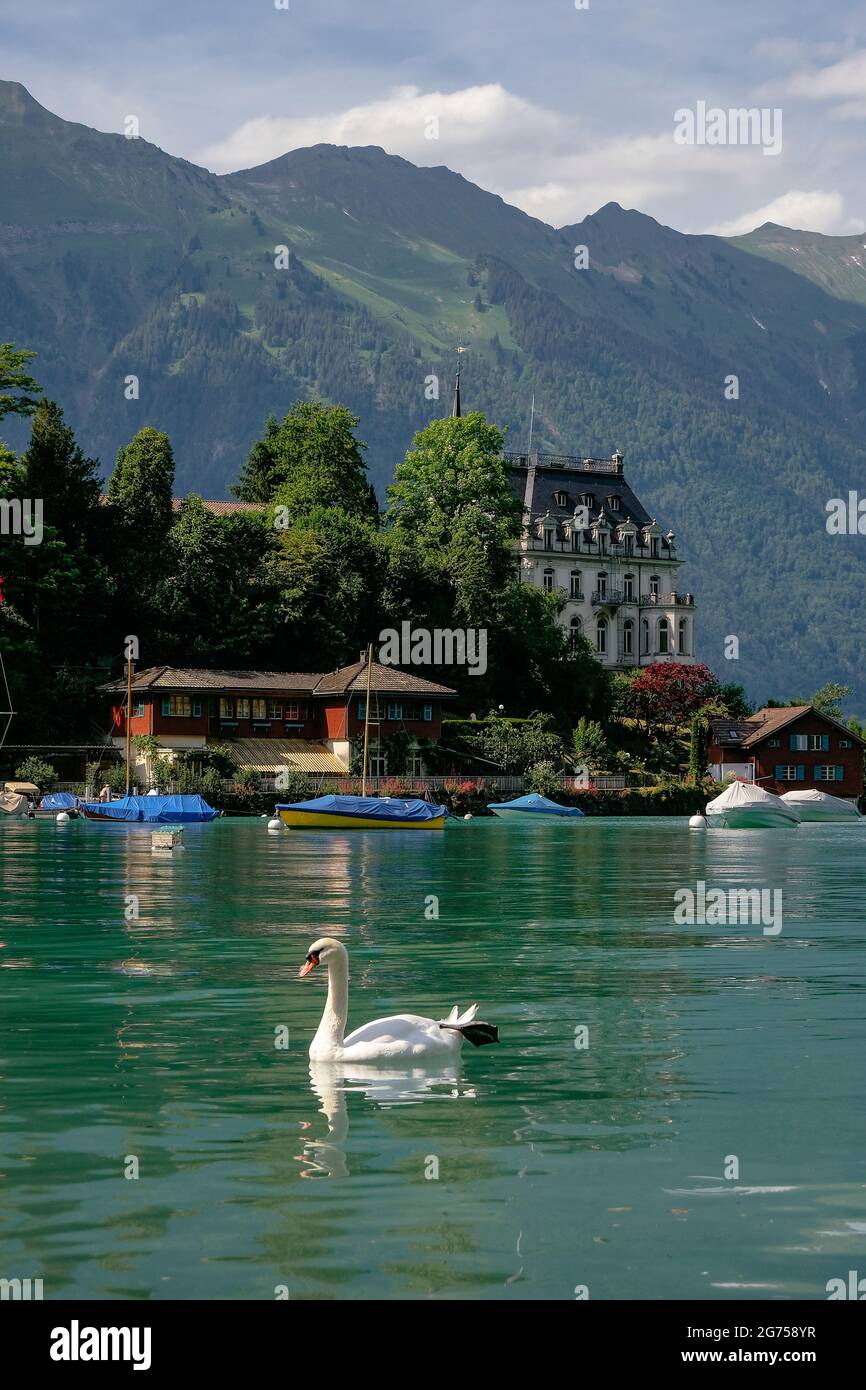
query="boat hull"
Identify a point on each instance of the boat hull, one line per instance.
(531, 815)
(818, 813)
(751, 818)
(322, 820)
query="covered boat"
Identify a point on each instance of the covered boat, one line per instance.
(58, 801)
(152, 810)
(362, 813)
(14, 804)
(743, 806)
(815, 805)
(533, 806)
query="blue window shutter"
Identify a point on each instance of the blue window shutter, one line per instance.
(166, 706)
(840, 774)
(825, 743)
(792, 742)
(196, 709)
(801, 773)
(780, 773)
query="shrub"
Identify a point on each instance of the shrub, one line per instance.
(38, 771)
(543, 778)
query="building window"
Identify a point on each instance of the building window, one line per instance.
(138, 710)
(602, 542)
(628, 586)
(788, 772)
(575, 538)
(654, 586)
(654, 546)
(259, 711)
(243, 708)
(227, 707)
(294, 715)
(576, 631)
(575, 589)
(613, 503)
(561, 499)
(628, 638)
(829, 773)
(177, 707)
(628, 545)
(547, 580)
(664, 637)
(589, 500)
(377, 765)
(682, 637)
(394, 710)
(644, 636)
(427, 713)
(275, 711)
(548, 537)
(601, 636)
(809, 743)
(417, 765)
(601, 582)
(845, 743)
(774, 743)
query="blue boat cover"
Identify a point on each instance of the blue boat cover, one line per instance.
(58, 801)
(534, 802)
(368, 807)
(164, 810)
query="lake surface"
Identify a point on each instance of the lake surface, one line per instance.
(152, 1038)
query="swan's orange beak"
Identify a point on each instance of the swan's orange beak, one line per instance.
(309, 964)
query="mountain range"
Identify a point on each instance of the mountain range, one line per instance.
(730, 372)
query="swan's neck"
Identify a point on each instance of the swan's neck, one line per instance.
(332, 1028)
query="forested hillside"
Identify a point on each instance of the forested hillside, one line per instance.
(120, 261)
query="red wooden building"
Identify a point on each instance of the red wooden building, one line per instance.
(796, 748)
(274, 719)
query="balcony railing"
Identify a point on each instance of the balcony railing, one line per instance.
(611, 466)
(667, 600)
(607, 598)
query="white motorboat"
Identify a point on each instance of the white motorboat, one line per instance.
(815, 805)
(743, 806)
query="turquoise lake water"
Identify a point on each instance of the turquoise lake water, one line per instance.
(152, 1038)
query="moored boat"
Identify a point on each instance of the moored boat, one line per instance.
(743, 806)
(150, 810)
(814, 805)
(333, 812)
(534, 807)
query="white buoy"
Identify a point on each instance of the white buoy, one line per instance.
(697, 822)
(275, 824)
(263, 816)
(62, 818)
(468, 815)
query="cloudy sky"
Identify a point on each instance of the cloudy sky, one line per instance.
(558, 105)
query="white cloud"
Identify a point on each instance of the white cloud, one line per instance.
(818, 212)
(550, 164)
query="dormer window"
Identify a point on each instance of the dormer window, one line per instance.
(628, 545)
(588, 500)
(613, 503)
(561, 499)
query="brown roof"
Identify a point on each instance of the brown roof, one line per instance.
(297, 754)
(385, 680)
(748, 733)
(186, 678)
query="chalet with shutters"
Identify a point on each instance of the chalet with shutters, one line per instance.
(306, 721)
(797, 748)
(588, 538)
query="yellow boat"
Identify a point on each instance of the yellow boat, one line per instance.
(362, 813)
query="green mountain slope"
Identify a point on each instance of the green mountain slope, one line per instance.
(120, 260)
(836, 263)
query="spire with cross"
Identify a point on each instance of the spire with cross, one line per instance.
(456, 411)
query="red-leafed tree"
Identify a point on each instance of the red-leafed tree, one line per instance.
(669, 692)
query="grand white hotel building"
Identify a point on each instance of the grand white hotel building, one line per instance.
(586, 535)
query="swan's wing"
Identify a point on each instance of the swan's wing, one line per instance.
(467, 1017)
(452, 1017)
(395, 1028)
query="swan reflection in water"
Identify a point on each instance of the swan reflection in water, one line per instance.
(390, 1086)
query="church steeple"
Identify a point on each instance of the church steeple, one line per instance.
(456, 410)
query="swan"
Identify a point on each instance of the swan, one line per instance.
(400, 1035)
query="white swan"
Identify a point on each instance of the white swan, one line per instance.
(400, 1035)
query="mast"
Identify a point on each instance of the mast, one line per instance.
(8, 713)
(128, 713)
(367, 718)
(531, 423)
